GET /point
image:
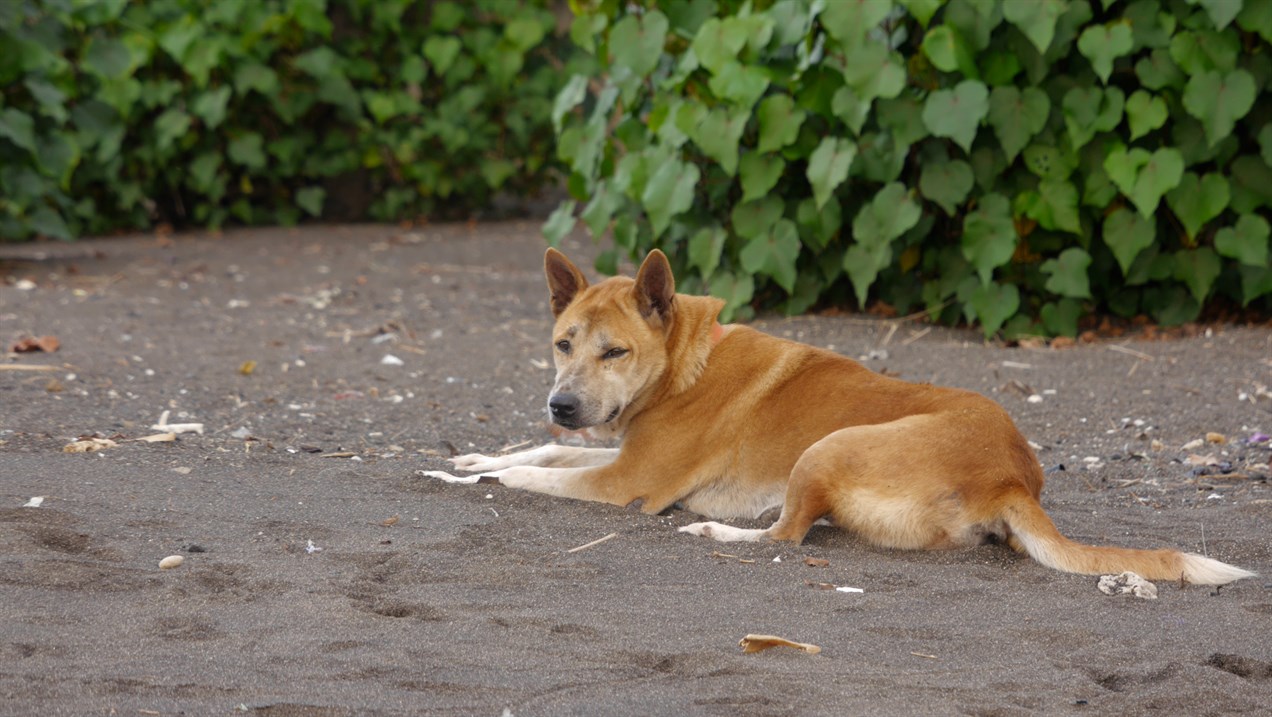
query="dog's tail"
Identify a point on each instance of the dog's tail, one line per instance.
(1038, 537)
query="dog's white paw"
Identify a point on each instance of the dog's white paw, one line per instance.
(443, 475)
(476, 462)
(724, 533)
(700, 529)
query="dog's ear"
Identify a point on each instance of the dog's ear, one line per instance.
(565, 281)
(655, 286)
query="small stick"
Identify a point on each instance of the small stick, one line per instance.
(594, 543)
(1130, 352)
(24, 367)
(515, 446)
(920, 654)
(916, 336)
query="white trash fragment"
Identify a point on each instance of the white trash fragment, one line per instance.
(1193, 444)
(311, 548)
(778, 559)
(170, 562)
(243, 433)
(849, 590)
(163, 425)
(1128, 582)
(391, 360)
(24, 285)
(1034, 398)
(34, 502)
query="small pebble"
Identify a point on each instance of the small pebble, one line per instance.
(1216, 438)
(170, 562)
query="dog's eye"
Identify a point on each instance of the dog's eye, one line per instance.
(563, 346)
(614, 353)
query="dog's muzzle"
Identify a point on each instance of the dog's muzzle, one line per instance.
(565, 409)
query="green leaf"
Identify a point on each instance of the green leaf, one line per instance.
(992, 305)
(18, 127)
(718, 43)
(828, 166)
(108, 57)
(872, 71)
(1247, 242)
(1145, 177)
(1198, 200)
(1265, 143)
(174, 123)
(751, 219)
(247, 150)
(736, 290)
(637, 42)
(1145, 113)
(310, 199)
(741, 84)
(774, 254)
(719, 134)
(1049, 162)
(862, 263)
(567, 99)
(1054, 204)
(779, 121)
(1251, 184)
(1102, 44)
(947, 183)
(1061, 317)
(1067, 273)
(848, 21)
(1127, 234)
(1088, 110)
(851, 108)
(759, 174)
(1255, 282)
(989, 235)
(1200, 51)
(922, 10)
(890, 213)
(210, 106)
(441, 51)
(1222, 12)
(1017, 116)
(48, 222)
(669, 192)
(1219, 100)
(949, 52)
(1159, 71)
(819, 225)
(956, 113)
(560, 223)
(705, 249)
(255, 76)
(1198, 268)
(1256, 17)
(1035, 18)
(606, 199)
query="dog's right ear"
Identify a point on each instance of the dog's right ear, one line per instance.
(565, 281)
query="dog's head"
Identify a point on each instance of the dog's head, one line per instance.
(610, 340)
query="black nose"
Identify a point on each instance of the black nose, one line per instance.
(563, 405)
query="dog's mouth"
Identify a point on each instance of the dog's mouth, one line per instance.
(572, 423)
(613, 414)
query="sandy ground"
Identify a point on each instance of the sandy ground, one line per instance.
(324, 576)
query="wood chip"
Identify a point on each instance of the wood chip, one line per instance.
(88, 445)
(339, 454)
(594, 543)
(816, 562)
(757, 643)
(157, 438)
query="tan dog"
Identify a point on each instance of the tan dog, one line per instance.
(730, 422)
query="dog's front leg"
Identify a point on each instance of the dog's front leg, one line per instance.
(551, 455)
(578, 483)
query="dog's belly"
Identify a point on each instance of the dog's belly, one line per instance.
(728, 498)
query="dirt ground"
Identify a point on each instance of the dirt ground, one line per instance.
(324, 576)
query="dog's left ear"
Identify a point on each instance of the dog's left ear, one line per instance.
(655, 286)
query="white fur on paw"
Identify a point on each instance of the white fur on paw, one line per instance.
(443, 475)
(472, 462)
(724, 533)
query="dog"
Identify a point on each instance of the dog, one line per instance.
(730, 422)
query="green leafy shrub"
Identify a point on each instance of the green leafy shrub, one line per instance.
(1016, 164)
(117, 114)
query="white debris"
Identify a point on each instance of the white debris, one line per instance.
(34, 502)
(778, 559)
(1193, 444)
(163, 425)
(24, 285)
(849, 590)
(170, 562)
(311, 548)
(391, 360)
(1034, 398)
(88, 445)
(1128, 582)
(243, 433)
